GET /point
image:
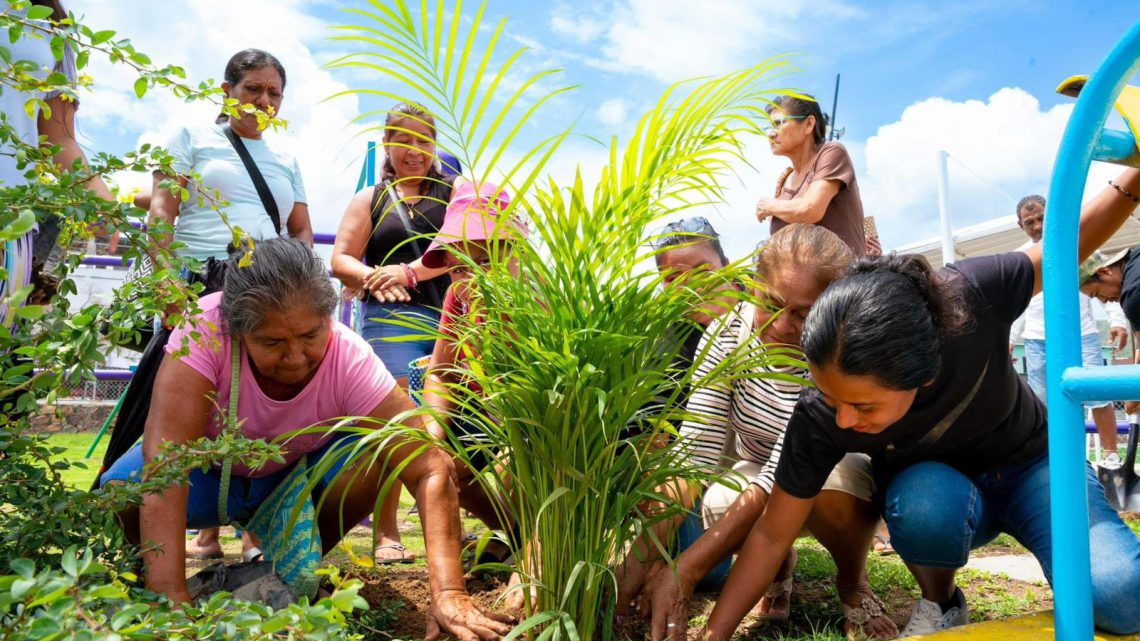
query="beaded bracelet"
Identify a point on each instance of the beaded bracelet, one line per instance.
(1124, 192)
(413, 280)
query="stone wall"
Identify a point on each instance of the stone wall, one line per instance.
(71, 417)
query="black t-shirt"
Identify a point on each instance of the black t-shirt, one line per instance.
(389, 244)
(1002, 425)
(1130, 287)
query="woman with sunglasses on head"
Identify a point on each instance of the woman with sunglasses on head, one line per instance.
(820, 187)
(684, 248)
(912, 367)
(745, 423)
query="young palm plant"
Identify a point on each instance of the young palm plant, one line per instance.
(573, 358)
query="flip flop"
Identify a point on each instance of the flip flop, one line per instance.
(778, 589)
(206, 556)
(882, 545)
(399, 547)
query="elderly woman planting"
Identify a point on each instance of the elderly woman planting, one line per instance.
(269, 351)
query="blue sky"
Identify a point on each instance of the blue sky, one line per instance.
(975, 78)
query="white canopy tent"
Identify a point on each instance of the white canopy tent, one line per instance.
(1003, 235)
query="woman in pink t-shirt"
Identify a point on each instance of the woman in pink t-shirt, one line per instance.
(297, 368)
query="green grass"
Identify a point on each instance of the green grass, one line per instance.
(82, 472)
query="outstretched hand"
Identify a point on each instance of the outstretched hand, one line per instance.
(452, 611)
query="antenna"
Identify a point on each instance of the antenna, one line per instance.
(835, 134)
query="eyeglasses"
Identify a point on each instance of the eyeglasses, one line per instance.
(687, 230)
(778, 121)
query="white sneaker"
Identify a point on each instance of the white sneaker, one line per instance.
(1111, 461)
(928, 617)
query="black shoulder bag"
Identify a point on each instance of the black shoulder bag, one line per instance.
(263, 192)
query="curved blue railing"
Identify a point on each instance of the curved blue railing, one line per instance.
(1072, 589)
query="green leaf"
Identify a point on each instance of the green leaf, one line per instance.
(57, 43)
(67, 562)
(20, 587)
(99, 37)
(23, 567)
(140, 58)
(39, 12)
(140, 87)
(81, 59)
(31, 311)
(22, 225)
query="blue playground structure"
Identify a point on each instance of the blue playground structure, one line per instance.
(1084, 141)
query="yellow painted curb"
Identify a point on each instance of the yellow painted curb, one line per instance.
(1032, 627)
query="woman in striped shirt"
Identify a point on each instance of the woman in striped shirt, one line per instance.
(742, 426)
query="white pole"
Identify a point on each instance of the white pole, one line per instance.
(948, 255)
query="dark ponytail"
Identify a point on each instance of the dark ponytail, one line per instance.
(887, 318)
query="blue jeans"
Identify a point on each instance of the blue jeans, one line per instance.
(388, 340)
(691, 529)
(245, 495)
(936, 515)
(1035, 363)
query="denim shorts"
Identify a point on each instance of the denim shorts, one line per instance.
(388, 340)
(246, 494)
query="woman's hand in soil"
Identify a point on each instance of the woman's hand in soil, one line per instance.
(452, 611)
(665, 601)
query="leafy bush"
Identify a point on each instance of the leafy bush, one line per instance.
(72, 571)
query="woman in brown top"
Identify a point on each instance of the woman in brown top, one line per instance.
(820, 187)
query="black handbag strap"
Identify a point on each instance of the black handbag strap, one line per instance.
(413, 236)
(263, 192)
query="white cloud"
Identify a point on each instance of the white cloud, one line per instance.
(576, 26)
(675, 39)
(1001, 149)
(613, 112)
(200, 37)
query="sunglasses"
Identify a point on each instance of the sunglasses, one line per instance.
(687, 230)
(778, 121)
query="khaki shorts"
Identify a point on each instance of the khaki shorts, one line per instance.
(851, 475)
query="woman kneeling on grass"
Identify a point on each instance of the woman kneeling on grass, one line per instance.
(747, 421)
(912, 367)
(297, 367)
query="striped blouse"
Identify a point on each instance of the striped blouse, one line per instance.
(749, 414)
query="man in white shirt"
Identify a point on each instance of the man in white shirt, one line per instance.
(1031, 328)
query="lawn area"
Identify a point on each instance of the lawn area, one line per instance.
(83, 470)
(398, 593)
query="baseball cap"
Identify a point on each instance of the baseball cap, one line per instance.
(1093, 263)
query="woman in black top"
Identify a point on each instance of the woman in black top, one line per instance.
(912, 367)
(377, 251)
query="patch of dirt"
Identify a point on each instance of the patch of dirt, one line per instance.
(815, 604)
(409, 586)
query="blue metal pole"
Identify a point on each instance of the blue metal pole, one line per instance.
(1072, 589)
